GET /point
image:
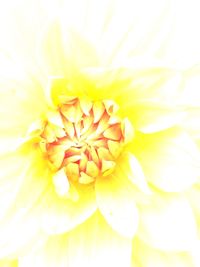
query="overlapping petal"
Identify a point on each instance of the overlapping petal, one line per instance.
(115, 199)
(86, 245)
(170, 159)
(168, 223)
(63, 214)
(146, 256)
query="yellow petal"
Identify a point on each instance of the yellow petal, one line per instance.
(114, 148)
(93, 243)
(8, 263)
(114, 193)
(57, 158)
(107, 167)
(92, 169)
(85, 179)
(72, 170)
(103, 153)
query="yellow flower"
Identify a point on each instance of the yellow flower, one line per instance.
(98, 167)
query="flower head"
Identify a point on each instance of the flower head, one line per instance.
(94, 149)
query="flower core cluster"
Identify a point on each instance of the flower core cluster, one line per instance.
(84, 138)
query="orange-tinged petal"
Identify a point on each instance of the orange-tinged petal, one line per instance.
(111, 106)
(103, 153)
(113, 132)
(57, 158)
(69, 112)
(127, 131)
(114, 148)
(98, 110)
(72, 170)
(69, 128)
(92, 169)
(86, 106)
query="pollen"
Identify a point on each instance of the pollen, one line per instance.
(82, 139)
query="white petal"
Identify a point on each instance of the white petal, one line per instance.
(168, 223)
(170, 159)
(20, 224)
(146, 256)
(93, 243)
(115, 199)
(63, 214)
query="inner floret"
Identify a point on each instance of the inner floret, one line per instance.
(84, 138)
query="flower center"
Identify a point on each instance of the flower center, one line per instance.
(85, 138)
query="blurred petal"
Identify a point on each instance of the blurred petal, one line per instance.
(19, 92)
(193, 196)
(63, 214)
(20, 222)
(146, 256)
(13, 170)
(8, 263)
(167, 223)
(154, 94)
(191, 99)
(182, 47)
(115, 199)
(131, 166)
(93, 243)
(116, 29)
(170, 159)
(25, 24)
